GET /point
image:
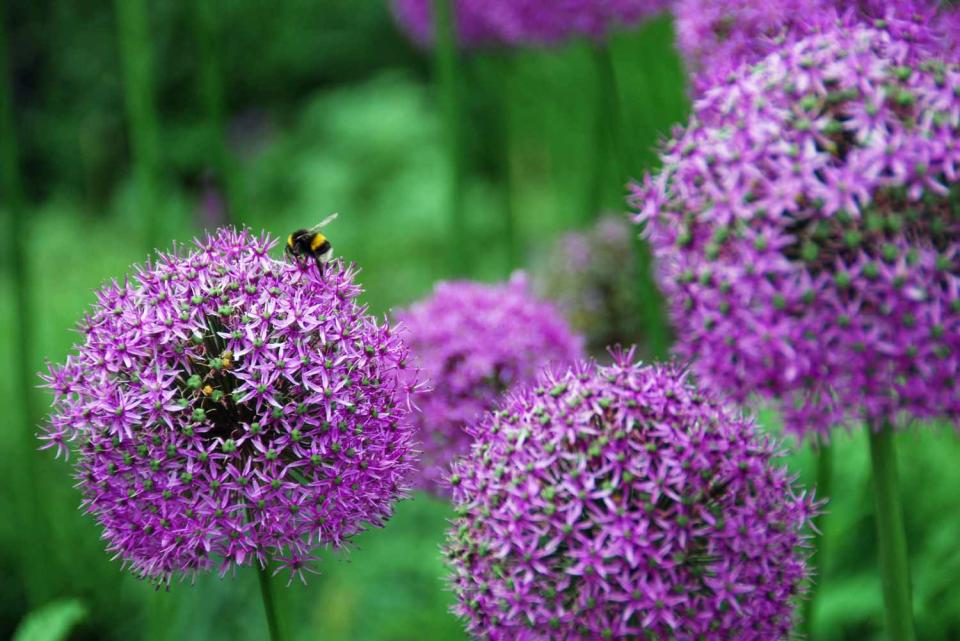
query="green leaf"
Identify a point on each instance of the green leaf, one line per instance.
(52, 622)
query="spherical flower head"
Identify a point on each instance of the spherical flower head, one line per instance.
(951, 26)
(473, 342)
(717, 36)
(230, 408)
(495, 23)
(591, 275)
(805, 225)
(622, 503)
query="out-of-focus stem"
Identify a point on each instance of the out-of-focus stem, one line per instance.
(510, 233)
(649, 301)
(448, 83)
(22, 342)
(137, 60)
(824, 456)
(269, 606)
(891, 535)
(207, 28)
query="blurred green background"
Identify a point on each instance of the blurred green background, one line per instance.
(324, 106)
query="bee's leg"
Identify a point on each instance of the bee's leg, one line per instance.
(320, 264)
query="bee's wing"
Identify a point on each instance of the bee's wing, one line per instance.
(326, 221)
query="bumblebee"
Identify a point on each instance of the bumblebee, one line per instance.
(305, 243)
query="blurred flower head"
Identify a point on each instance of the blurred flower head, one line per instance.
(590, 275)
(716, 37)
(473, 342)
(806, 228)
(229, 408)
(621, 503)
(492, 23)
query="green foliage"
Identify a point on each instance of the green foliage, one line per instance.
(52, 622)
(272, 54)
(331, 111)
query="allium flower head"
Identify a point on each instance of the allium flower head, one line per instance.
(591, 275)
(951, 26)
(526, 22)
(717, 36)
(229, 407)
(806, 228)
(621, 503)
(474, 341)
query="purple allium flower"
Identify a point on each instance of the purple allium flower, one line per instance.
(519, 22)
(621, 503)
(717, 36)
(474, 341)
(806, 228)
(591, 276)
(951, 26)
(227, 407)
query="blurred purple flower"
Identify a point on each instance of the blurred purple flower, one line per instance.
(590, 274)
(212, 205)
(474, 341)
(526, 22)
(717, 36)
(621, 503)
(806, 228)
(227, 407)
(951, 26)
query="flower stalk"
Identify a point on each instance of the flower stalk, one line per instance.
(448, 83)
(13, 205)
(611, 127)
(137, 60)
(891, 536)
(212, 98)
(269, 605)
(514, 253)
(823, 453)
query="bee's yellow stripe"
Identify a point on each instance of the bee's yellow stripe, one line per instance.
(290, 240)
(317, 241)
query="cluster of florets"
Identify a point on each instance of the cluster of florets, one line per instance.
(621, 503)
(591, 276)
(473, 342)
(229, 407)
(492, 23)
(951, 26)
(717, 36)
(806, 225)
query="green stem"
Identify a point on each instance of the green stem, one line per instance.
(649, 301)
(891, 536)
(269, 606)
(824, 455)
(598, 164)
(448, 81)
(24, 374)
(137, 60)
(211, 95)
(611, 125)
(511, 238)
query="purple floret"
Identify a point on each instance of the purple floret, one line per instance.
(805, 225)
(228, 408)
(492, 23)
(474, 341)
(717, 36)
(622, 503)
